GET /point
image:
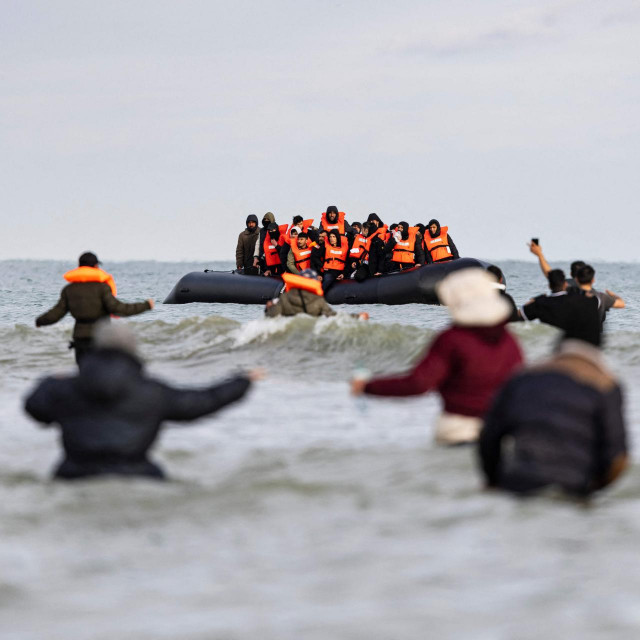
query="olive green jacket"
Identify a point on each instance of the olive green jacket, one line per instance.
(297, 301)
(88, 302)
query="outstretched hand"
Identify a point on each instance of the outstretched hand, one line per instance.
(357, 386)
(256, 374)
(151, 303)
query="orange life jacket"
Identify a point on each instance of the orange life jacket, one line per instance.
(404, 250)
(304, 225)
(293, 281)
(335, 257)
(327, 226)
(380, 232)
(438, 247)
(302, 256)
(91, 274)
(271, 253)
(359, 250)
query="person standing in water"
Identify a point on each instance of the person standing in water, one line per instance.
(89, 297)
(111, 413)
(467, 363)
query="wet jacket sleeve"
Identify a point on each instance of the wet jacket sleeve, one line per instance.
(189, 404)
(430, 372)
(55, 313)
(118, 308)
(613, 448)
(454, 249)
(490, 442)
(42, 403)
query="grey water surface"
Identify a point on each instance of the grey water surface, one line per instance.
(301, 512)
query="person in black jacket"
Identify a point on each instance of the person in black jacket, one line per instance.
(565, 423)
(433, 231)
(110, 413)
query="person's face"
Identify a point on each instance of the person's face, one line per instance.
(433, 228)
(294, 235)
(265, 222)
(333, 240)
(302, 242)
(322, 238)
(357, 228)
(400, 228)
(251, 225)
(332, 216)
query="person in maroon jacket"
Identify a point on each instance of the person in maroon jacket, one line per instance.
(467, 363)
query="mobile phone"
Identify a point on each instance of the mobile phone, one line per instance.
(535, 240)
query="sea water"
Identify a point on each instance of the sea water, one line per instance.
(300, 512)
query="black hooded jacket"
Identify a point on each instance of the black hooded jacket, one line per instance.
(418, 249)
(247, 244)
(111, 413)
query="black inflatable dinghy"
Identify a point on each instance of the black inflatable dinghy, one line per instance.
(414, 286)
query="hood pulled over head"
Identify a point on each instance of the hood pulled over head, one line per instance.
(405, 227)
(374, 217)
(267, 219)
(251, 218)
(437, 233)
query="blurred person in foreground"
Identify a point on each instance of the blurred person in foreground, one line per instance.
(89, 297)
(111, 412)
(467, 363)
(563, 423)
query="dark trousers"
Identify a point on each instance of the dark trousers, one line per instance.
(81, 347)
(329, 277)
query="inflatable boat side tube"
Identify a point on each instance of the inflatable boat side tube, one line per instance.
(414, 286)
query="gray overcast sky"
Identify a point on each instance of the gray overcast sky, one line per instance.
(150, 129)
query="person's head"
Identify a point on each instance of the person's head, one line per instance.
(575, 266)
(297, 220)
(332, 214)
(334, 238)
(267, 219)
(585, 275)
(557, 280)
(374, 219)
(393, 227)
(88, 259)
(496, 272)
(273, 230)
(420, 228)
(252, 222)
(309, 273)
(114, 336)
(434, 228)
(295, 232)
(357, 226)
(366, 228)
(473, 299)
(322, 237)
(302, 240)
(403, 228)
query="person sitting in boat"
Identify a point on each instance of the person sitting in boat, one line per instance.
(333, 219)
(376, 240)
(317, 253)
(438, 244)
(259, 252)
(246, 247)
(405, 247)
(467, 363)
(299, 257)
(300, 224)
(273, 246)
(336, 250)
(358, 253)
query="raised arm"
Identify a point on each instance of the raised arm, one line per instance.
(55, 313)
(536, 249)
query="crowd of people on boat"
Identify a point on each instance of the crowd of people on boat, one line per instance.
(337, 249)
(563, 419)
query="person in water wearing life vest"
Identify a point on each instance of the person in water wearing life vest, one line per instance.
(438, 245)
(405, 247)
(336, 250)
(89, 297)
(111, 412)
(467, 363)
(303, 294)
(246, 247)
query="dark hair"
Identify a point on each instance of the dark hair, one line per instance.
(496, 271)
(303, 234)
(297, 219)
(575, 266)
(88, 259)
(556, 280)
(585, 274)
(332, 209)
(333, 232)
(357, 224)
(393, 227)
